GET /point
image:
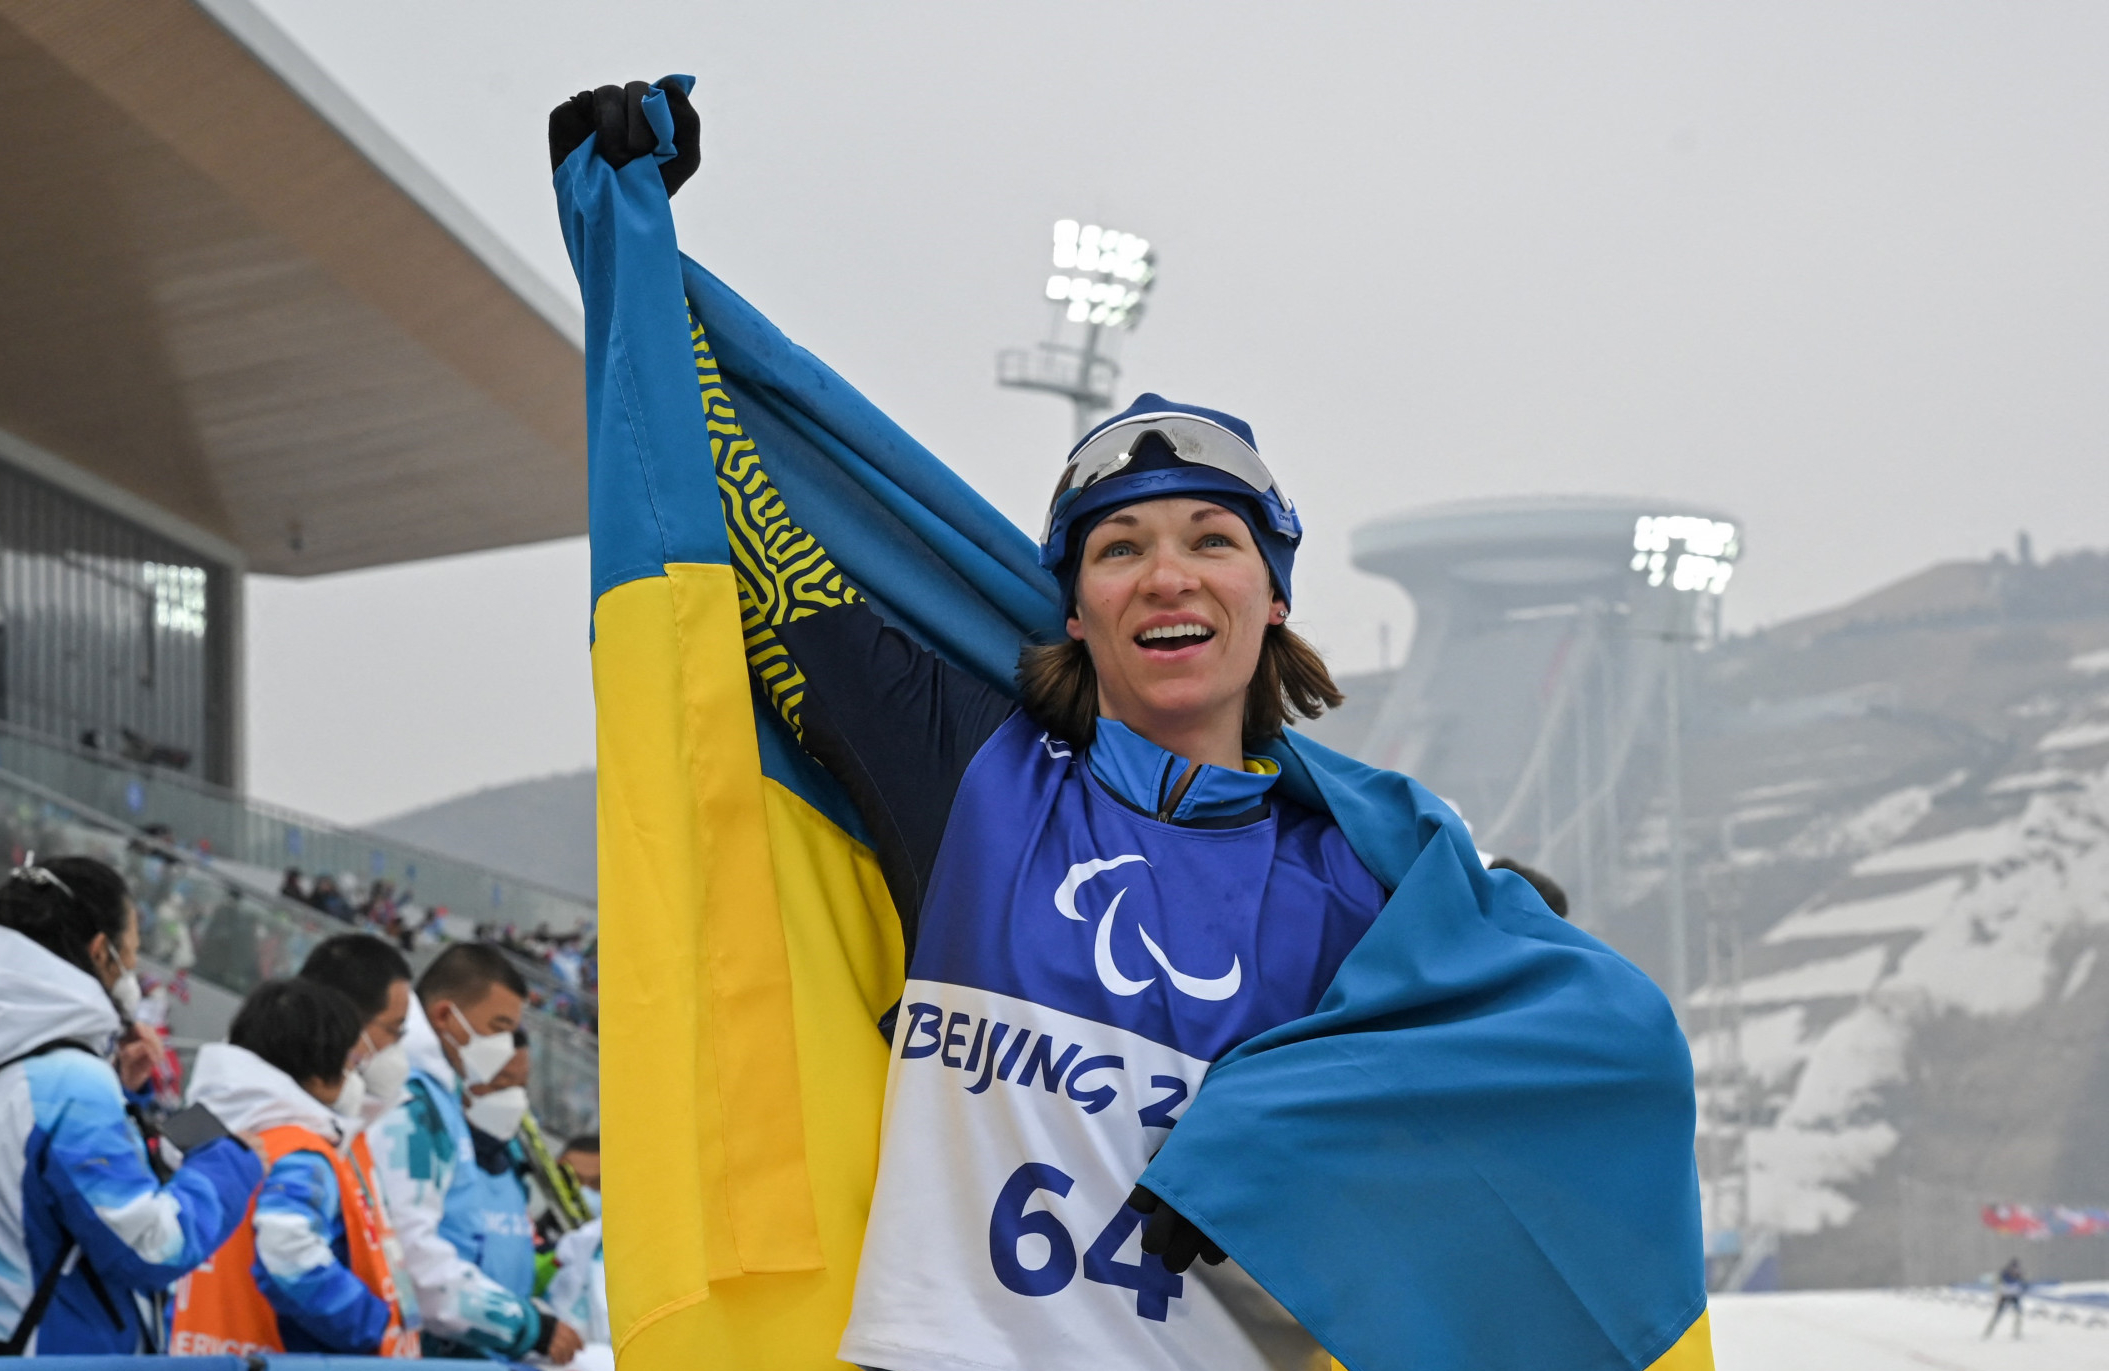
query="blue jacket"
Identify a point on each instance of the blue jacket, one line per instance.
(75, 1169)
(321, 1305)
(487, 1220)
(424, 1154)
(303, 1260)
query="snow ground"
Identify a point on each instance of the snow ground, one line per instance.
(1982, 934)
(1890, 1330)
(1850, 975)
(2033, 780)
(1905, 911)
(1969, 847)
(2075, 738)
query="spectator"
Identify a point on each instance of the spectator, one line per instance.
(462, 1018)
(87, 1223)
(487, 1218)
(376, 979)
(578, 1291)
(379, 904)
(582, 1155)
(329, 899)
(309, 1271)
(293, 887)
(414, 926)
(1548, 889)
(228, 948)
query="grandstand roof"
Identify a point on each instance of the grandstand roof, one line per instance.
(225, 291)
(1520, 541)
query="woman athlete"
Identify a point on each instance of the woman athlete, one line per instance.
(1099, 893)
(1476, 1153)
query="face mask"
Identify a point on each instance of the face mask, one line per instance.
(351, 1099)
(125, 994)
(499, 1113)
(592, 1200)
(486, 1053)
(385, 1074)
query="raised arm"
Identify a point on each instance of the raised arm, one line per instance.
(891, 720)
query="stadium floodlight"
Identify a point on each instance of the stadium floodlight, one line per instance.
(1705, 551)
(1113, 271)
(179, 596)
(1101, 281)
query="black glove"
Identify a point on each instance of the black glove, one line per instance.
(615, 115)
(1169, 1235)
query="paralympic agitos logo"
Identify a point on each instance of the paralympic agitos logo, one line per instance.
(1109, 974)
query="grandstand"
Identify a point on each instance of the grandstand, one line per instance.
(1548, 631)
(243, 332)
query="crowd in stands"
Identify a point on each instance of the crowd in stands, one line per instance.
(377, 908)
(196, 918)
(571, 988)
(354, 1171)
(565, 980)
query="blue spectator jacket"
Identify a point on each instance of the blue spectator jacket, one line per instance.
(75, 1172)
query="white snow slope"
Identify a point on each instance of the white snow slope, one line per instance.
(1979, 935)
(1892, 1330)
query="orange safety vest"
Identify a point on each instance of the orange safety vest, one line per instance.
(219, 1310)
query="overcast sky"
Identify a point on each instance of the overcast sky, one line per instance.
(1836, 269)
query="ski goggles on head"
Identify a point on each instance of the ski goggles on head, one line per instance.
(1194, 440)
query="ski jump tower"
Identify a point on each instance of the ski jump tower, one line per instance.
(1541, 696)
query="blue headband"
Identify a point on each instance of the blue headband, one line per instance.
(1157, 474)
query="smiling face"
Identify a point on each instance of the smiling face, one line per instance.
(1173, 600)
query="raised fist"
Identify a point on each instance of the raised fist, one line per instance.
(614, 115)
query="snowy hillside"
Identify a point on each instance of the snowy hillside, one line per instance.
(1897, 822)
(1988, 923)
(1902, 815)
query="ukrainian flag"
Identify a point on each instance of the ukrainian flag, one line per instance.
(748, 943)
(1476, 1154)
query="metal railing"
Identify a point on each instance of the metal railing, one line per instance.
(229, 825)
(201, 921)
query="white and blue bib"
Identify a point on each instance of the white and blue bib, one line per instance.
(1079, 966)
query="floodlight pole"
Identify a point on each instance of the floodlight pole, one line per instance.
(1089, 403)
(1106, 299)
(1673, 748)
(1069, 370)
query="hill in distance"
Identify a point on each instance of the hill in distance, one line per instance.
(539, 830)
(1897, 825)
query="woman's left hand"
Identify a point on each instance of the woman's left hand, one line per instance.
(1171, 1235)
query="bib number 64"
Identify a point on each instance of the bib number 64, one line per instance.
(1155, 1288)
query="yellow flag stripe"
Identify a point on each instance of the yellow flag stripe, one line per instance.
(678, 1295)
(1692, 1352)
(691, 926)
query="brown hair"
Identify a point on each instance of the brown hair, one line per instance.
(1059, 687)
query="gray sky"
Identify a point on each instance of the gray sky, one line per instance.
(1838, 269)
